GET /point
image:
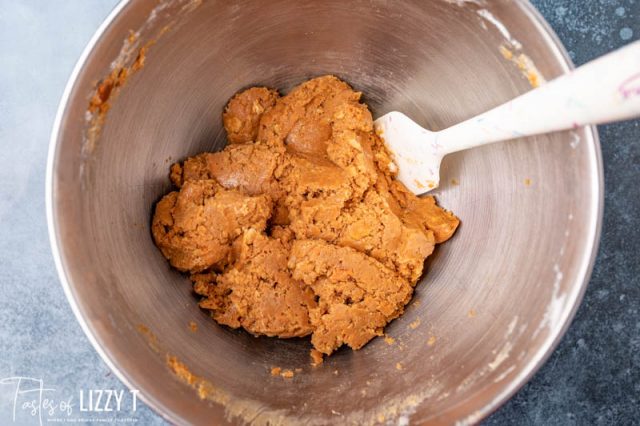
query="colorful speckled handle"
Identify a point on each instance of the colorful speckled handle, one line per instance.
(604, 90)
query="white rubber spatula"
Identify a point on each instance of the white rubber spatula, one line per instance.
(604, 90)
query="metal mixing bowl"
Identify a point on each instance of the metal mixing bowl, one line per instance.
(496, 298)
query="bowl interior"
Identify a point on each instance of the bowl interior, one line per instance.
(494, 299)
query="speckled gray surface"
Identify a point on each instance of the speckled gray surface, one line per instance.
(592, 378)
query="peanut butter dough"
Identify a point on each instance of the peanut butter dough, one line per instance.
(298, 227)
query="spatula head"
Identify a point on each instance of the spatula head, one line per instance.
(415, 150)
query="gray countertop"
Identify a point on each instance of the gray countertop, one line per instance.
(593, 377)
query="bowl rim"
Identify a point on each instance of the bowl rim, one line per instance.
(544, 351)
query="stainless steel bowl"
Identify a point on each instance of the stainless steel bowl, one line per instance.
(496, 298)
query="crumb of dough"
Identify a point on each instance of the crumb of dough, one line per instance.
(287, 374)
(508, 54)
(275, 371)
(299, 226)
(317, 357)
(431, 341)
(180, 370)
(152, 339)
(389, 340)
(140, 59)
(414, 324)
(534, 78)
(472, 313)
(527, 182)
(193, 326)
(204, 388)
(399, 366)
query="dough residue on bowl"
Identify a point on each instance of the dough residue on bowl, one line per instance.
(299, 227)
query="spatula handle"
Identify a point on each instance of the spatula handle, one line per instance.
(604, 90)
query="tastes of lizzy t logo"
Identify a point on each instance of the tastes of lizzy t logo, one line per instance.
(31, 402)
